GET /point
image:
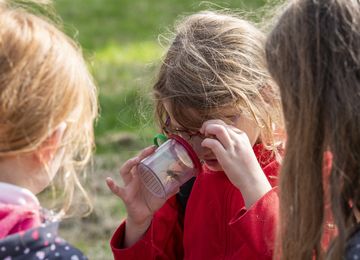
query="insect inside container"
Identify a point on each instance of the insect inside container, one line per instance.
(173, 175)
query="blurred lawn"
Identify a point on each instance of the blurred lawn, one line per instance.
(119, 38)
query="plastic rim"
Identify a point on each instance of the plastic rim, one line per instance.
(194, 158)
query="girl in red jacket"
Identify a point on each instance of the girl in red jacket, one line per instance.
(213, 89)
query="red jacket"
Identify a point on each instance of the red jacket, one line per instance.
(216, 225)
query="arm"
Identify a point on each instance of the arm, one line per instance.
(235, 154)
(255, 224)
(258, 223)
(145, 213)
(162, 240)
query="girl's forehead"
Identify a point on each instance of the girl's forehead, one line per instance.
(224, 110)
(187, 114)
(194, 118)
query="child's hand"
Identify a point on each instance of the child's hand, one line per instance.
(235, 154)
(139, 202)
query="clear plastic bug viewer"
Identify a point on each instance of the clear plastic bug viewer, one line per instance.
(171, 165)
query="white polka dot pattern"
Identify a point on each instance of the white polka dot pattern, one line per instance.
(40, 243)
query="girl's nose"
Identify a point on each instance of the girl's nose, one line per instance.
(204, 152)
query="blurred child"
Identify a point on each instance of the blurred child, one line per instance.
(314, 55)
(47, 107)
(213, 82)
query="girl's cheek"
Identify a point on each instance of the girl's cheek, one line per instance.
(250, 128)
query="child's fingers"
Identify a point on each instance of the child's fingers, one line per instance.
(240, 138)
(133, 188)
(125, 170)
(117, 190)
(210, 122)
(216, 147)
(221, 133)
(146, 152)
(235, 133)
(126, 195)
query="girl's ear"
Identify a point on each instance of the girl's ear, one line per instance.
(46, 151)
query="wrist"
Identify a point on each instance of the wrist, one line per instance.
(251, 178)
(253, 187)
(135, 231)
(256, 191)
(139, 224)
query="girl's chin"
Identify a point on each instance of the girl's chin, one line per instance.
(213, 165)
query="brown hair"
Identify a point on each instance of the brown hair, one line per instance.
(44, 81)
(217, 61)
(313, 54)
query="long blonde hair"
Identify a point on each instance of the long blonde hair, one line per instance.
(44, 81)
(217, 60)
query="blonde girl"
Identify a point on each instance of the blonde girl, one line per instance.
(47, 109)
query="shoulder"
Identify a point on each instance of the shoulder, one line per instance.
(59, 251)
(66, 251)
(38, 243)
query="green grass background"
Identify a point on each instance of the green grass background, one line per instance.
(120, 40)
